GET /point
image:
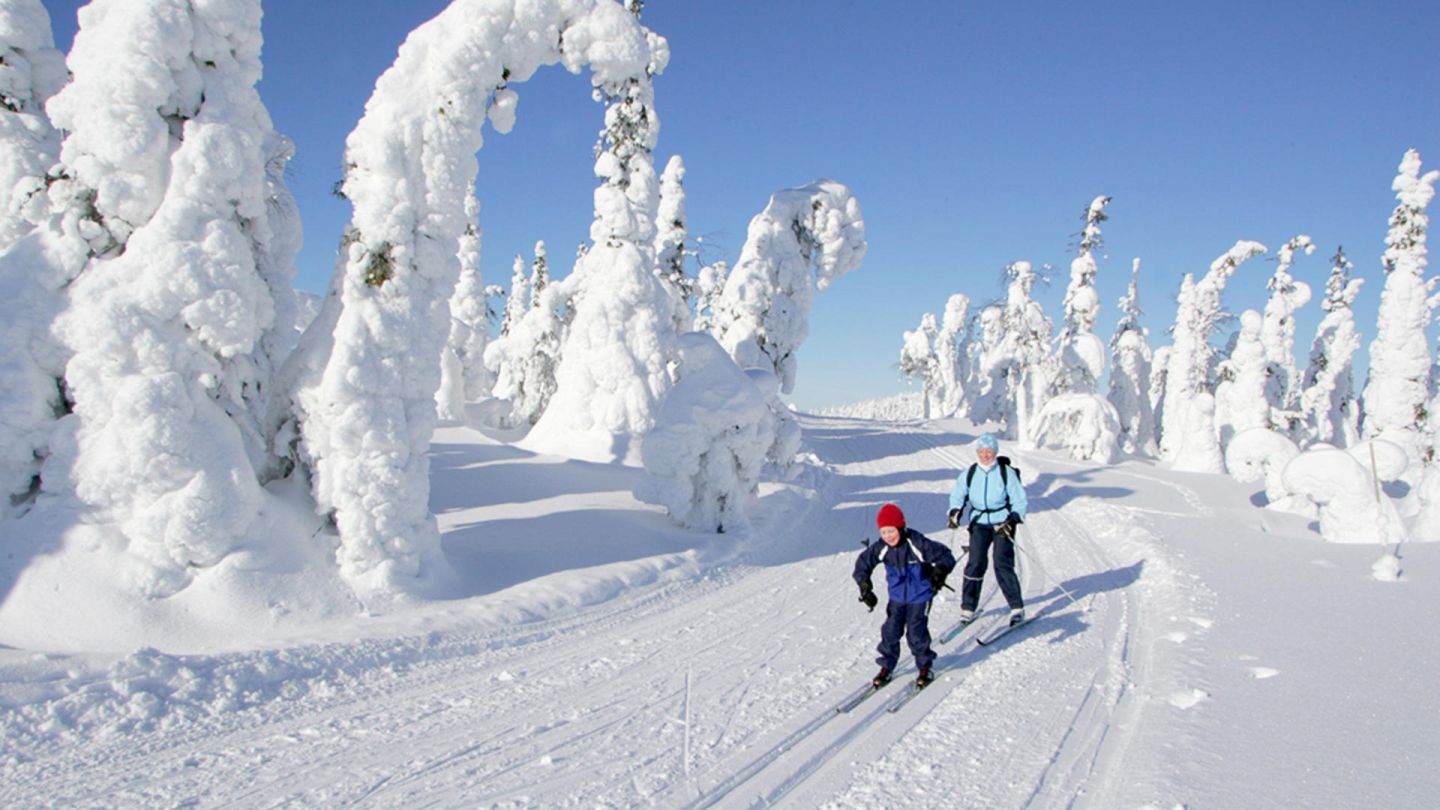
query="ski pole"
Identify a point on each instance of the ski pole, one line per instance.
(1043, 572)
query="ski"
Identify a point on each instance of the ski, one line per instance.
(908, 695)
(956, 629)
(859, 697)
(998, 634)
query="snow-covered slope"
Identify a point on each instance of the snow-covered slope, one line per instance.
(592, 655)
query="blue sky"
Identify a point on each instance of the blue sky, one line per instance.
(974, 134)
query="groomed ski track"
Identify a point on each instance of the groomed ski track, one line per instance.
(718, 690)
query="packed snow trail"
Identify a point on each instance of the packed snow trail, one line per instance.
(590, 708)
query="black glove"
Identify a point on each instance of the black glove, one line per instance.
(1008, 527)
(937, 577)
(954, 519)
(867, 595)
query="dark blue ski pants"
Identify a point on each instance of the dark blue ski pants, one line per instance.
(982, 537)
(913, 621)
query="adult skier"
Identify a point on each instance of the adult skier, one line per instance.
(915, 570)
(992, 490)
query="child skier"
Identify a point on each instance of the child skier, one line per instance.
(915, 571)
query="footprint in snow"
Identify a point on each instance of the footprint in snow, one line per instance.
(1188, 699)
(1261, 673)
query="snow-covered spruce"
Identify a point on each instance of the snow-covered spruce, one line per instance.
(710, 442)
(1352, 505)
(367, 416)
(804, 239)
(1080, 354)
(1327, 398)
(1240, 392)
(1277, 336)
(463, 377)
(1189, 365)
(525, 360)
(988, 373)
(1131, 367)
(31, 71)
(172, 176)
(952, 347)
(1398, 389)
(918, 360)
(1085, 426)
(615, 364)
(1024, 352)
(1261, 454)
(671, 241)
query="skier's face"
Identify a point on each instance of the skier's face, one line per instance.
(986, 456)
(890, 535)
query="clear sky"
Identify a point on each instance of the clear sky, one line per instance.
(974, 134)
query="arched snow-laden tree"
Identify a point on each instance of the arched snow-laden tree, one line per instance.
(170, 172)
(31, 71)
(616, 362)
(1081, 354)
(952, 348)
(410, 164)
(1277, 337)
(1131, 362)
(1189, 364)
(1397, 391)
(918, 360)
(1327, 398)
(804, 239)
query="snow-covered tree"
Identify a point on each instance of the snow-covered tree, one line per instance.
(518, 302)
(952, 348)
(1397, 392)
(170, 173)
(1241, 403)
(539, 273)
(704, 456)
(804, 239)
(1131, 362)
(1277, 336)
(1080, 353)
(919, 361)
(615, 364)
(1327, 397)
(524, 361)
(463, 376)
(709, 290)
(671, 236)
(1261, 454)
(367, 416)
(1027, 344)
(1189, 366)
(31, 71)
(992, 363)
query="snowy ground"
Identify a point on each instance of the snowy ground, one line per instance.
(1218, 656)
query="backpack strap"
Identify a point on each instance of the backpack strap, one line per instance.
(1004, 463)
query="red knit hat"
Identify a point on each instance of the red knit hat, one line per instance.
(890, 515)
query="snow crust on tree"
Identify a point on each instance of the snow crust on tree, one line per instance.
(366, 418)
(1189, 365)
(1085, 426)
(1352, 506)
(171, 176)
(615, 363)
(1327, 397)
(1131, 368)
(803, 241)
(1398, 388)
(711, 439)
(1261, 454)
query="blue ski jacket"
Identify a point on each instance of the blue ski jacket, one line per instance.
(991, 496)
(906, 566)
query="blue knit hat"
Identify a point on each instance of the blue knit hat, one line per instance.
(987, 440)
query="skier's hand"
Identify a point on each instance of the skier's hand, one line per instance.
(867, 595)
(954, 522)
(1014, 520)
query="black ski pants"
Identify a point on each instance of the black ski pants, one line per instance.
(913, 621)
(982, 538)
